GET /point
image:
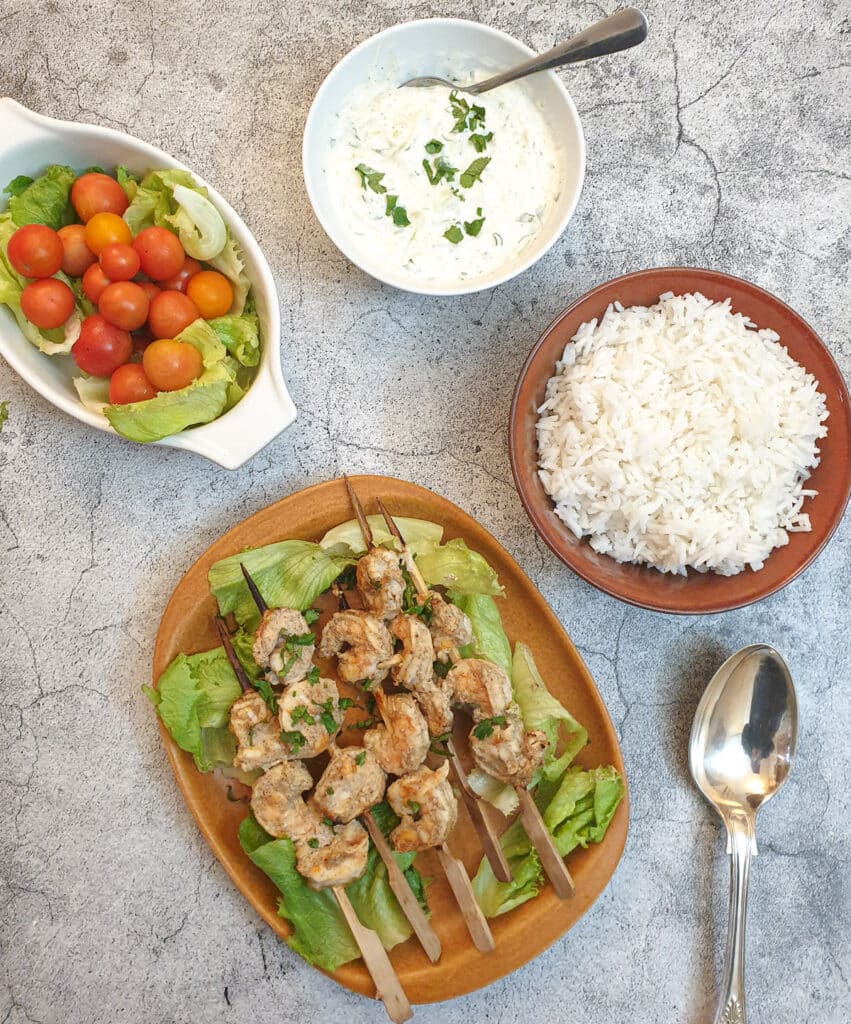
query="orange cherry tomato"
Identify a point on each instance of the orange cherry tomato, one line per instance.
(178, 282)
(150, 289)
(47, 303)
(35, 251)
(119, 262)
(170, 312)
(94, 283)
(171, 365)
(101, 347)
(124, 304)
(105, 229)
(97, 193)
(129, 383)
(211, 292)
(160, 251)
(77, 256)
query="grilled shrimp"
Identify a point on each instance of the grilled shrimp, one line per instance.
(481, 686)
(450, 628)
(415, 672)
(424, 801)
(278, 806)
(380, 583)
(352, 782)
(509, 753)
(336, 857)
(401, 743)
(309, 716)
(362, 644)
(274, 648)
(256, 730)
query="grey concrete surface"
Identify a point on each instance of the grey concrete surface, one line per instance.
(722, 142)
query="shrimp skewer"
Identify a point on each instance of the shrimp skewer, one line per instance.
(372, 793)
(478, 814)
(434, 800)
(537, 831)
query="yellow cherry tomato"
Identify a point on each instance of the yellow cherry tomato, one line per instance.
(211, 292)
(106, 229)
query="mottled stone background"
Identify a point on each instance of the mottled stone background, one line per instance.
(723, 142)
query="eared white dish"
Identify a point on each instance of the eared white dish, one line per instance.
(28, 143)
(454, 49)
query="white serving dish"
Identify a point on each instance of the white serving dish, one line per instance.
(445, 47)
(28, 143)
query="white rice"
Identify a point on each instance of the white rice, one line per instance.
(680, 435)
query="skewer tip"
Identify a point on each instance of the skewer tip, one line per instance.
(254, 590)
(360, 515)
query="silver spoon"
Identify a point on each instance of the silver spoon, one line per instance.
(620, 31)
(741, 747)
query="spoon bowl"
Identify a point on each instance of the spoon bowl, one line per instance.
(741, 748)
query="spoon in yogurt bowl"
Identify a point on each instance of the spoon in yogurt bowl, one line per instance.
(619, 31)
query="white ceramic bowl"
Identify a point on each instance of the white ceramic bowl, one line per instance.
(30, 141)
(445, 47)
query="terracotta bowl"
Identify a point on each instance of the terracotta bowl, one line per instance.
(640, 585)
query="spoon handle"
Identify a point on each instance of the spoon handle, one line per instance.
(620, 31)
(732, 1007)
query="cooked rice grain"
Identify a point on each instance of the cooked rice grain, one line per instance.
(680, 435)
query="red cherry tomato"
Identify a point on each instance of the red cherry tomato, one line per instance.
(160, 251)
(124, 304)
(97, 193)
(78, 257)
(170, 312)
(171, 365)
(178, 282)
(129, 383)
(211, 292)
(119, 262)
(150, 289)
(35, 251)
(101, 347)
(106, 229)
(94, 283)
(47, 303)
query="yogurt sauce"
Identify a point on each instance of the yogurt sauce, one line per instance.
(491, 181)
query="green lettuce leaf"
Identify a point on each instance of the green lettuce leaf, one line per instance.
(501, 796)
(172, 411)
(128, 181)
(540, 710)
(193, 699)
(198, 223)
(489, 639)
(578, 813)
(153, 202)
(230, 262)
(420, 535)
(291, 573)
(240, 335)
(454, 566)
(242, 642)
(18, 185)
(320, 933)
(45, 200)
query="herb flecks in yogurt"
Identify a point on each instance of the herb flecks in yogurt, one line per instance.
(370, 178)
(454, 234)
(434, 146)
(441, 171)
(474, 171)
(467, 118)
(398, 214)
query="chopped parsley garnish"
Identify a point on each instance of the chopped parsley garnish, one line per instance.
(360, 759)
(329, 791)
(313, 843)
(474, 171)
(365, 685)
(264, 688)
(415, 807)
(370, 704)
(410, 604)
(473, 227)
(310, 616)
(442, 170)
(301, 714)
(435, 146)
(294, 739)
(438, 745)
(442, 668)
(399, 216)
(486, 726)
(345, 703)
(467, 117)
(326, 716)
(313, 676)
(480, 142)
(370, 178)
(328, 822)
(454, 234)
(364, 723)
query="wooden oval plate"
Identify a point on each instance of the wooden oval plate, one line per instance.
(188, 626)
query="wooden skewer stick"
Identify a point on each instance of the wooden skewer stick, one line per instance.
(402, 891)
(254, 590)
(387, 986)
(360, 515)
(483, 826)
(459, 882)
(541, 839)
(235, 664)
